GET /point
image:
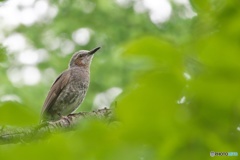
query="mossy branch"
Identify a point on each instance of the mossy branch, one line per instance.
(9, 134)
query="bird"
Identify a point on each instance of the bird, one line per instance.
(69, 89)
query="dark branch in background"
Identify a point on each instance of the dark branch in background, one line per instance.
(10, 135)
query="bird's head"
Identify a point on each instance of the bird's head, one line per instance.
(82, 58)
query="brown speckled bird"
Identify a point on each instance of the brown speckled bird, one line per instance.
(69, 89)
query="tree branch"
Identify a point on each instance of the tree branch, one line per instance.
(10, 134)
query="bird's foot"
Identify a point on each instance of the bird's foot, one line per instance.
(66, 119)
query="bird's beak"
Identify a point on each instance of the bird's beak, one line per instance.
(93, 51)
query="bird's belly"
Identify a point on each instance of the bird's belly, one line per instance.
(70, 99)
(74, 101)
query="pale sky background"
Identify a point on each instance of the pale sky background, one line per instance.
(33, 11)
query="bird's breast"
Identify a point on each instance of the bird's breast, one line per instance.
(72, 96)
(74, 92)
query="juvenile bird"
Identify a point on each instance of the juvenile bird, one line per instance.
(69, 89)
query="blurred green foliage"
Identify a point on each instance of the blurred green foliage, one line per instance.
(2, 54)
(161, 114)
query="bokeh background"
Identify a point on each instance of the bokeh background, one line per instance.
(170, 70)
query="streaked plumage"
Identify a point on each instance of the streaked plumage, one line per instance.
(69, 89)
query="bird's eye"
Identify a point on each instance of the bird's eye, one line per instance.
(80, 55)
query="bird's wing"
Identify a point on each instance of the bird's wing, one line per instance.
(55, 90)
